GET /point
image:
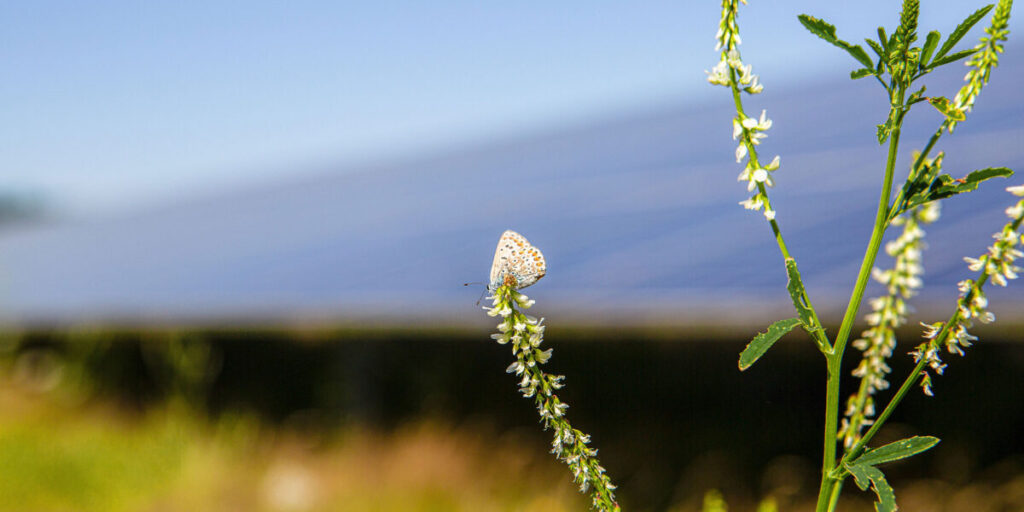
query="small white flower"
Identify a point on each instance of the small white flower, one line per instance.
(1017, 190)
(998, 279)
(754, 203)
(719, 75)
(769, 214)
(1016, 210)
(733, 57)
(931, 330)
(974, 264)
(741, 151)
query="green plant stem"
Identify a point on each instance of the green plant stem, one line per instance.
(835, 357)
(834, 499)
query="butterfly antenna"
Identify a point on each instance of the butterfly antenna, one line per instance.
(482, 294)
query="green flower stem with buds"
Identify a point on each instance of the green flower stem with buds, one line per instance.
(739, 79)
(526, 334)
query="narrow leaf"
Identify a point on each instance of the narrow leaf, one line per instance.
(883, 39)
(861, 73)
(886, 498)
(826, 31)
(897, 450)
(858, 53)
(764, 341)
(929, 46)
(952, 58)
(943, 186)
(883, 132)
(967, 183)
(945, 107)
(820, 28)
(960, 31)
(799, 296)
(864, 474)
(877, 48)
(860, 476)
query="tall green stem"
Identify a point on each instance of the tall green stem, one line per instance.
(835, 357)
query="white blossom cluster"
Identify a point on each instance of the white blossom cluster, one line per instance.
(982, 61)
(722, 73)
(526, 333)
(997, 265)
(749, 131)
(888, 313)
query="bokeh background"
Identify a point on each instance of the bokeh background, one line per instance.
(234, 237)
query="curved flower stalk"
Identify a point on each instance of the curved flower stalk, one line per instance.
(983, 61)
(888, 313)
(997, 265)
(526, 334)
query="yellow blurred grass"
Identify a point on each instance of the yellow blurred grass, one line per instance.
(55, 457)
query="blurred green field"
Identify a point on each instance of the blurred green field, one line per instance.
(297, 420)
(96, 458)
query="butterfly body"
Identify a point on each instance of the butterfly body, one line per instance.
(516, 263)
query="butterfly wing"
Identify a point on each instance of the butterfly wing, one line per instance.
(516, 258)
(502, 256)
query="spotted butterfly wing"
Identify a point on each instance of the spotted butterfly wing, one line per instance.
(516, 262)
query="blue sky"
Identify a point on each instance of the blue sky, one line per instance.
(114, 105)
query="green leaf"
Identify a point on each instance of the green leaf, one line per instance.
(967, 183)
(877, 49)
(861, 73)
(946, 108)
(883, 39)
(886, 497)
(858, 53)
(883, 132)
(799, 296)
(952, 58)
(960, 31)
(827, 32)
(897, 450)
(820, 28)
(862, 474)
(924, 189)
(764, 341)
(929, 46)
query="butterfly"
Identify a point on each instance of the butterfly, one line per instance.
(516, 263)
